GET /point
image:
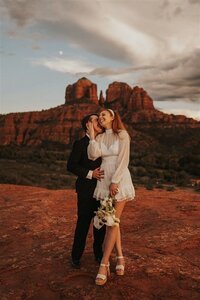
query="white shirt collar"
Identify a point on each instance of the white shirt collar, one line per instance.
(109, 130)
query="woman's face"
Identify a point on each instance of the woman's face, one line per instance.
(105, 119)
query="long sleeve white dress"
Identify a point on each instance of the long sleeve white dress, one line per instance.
(114, 149)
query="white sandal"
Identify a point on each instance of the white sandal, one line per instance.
(120, 268)
(101, 279)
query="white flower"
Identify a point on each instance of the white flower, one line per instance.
(97, 222)
(103, 202)
(109, 221)
(106, 214)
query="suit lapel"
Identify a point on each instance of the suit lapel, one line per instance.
(86, 140)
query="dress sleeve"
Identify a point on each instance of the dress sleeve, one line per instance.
(123, 156)
(94, 149)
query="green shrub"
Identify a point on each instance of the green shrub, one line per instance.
(149, 186)
(170, 188)
(197, 188)
(159, 186)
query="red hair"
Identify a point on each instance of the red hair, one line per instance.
(117, 123)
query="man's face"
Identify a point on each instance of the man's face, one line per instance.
(97, 127)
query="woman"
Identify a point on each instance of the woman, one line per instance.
(114, 148)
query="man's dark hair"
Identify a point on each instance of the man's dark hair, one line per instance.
(85, 120)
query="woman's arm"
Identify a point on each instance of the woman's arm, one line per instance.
(123, 157)
(94, 148)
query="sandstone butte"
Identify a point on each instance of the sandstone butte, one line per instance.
(62, 123)
(161, 241)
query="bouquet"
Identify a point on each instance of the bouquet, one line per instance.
(106, 213)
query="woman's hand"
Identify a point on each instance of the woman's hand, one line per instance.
(90, 130)
(113, 188)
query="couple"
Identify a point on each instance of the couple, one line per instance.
(100, 160)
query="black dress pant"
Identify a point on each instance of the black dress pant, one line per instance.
(86, 208)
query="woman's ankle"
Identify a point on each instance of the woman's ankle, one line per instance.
(104, 261)
(120, 256)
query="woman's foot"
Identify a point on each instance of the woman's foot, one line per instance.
(120, 266)
(104, 272)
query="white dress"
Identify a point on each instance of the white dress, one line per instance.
(114, 149)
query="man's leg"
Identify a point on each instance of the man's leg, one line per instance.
(82, 227)
(99, 235)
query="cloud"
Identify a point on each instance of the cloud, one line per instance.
(136, 38)
(78, 23)
(83, 68)
(106, 71)
(20, 11)
(194, 1)
(64, 65)
(181, 111)
(177, 79)
(164, 4)
(177, 11)
(36, 47)
(132, 32)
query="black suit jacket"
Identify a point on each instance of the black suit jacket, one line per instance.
(79, 164)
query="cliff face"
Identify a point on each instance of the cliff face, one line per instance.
(82, 90)
(62, 124)
(132, 99)
(140, 100)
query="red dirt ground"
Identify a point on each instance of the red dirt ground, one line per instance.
(161, 241)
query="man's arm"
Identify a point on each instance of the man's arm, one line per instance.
(73, 164)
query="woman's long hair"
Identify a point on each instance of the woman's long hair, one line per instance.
(117, 124)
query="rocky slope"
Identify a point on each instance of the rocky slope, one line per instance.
(62, 124)
(57, 125)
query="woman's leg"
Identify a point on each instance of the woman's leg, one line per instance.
(111, 237)
(118, 245)
(120, 263)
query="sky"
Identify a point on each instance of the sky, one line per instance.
(46, 45)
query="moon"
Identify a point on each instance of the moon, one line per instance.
(60, 52)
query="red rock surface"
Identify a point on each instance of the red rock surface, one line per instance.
(83, 89)
(161, 241)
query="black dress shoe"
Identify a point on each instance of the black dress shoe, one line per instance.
(76, 264)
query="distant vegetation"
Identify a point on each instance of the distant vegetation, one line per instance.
(46, 167)
(43, 167)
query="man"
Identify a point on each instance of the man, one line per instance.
(88, 173)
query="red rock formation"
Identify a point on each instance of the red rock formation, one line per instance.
(132, 99)
(101, 99)
(140, 100)
(118, 91)
(83, 89)
(62, 124)
(148, 118)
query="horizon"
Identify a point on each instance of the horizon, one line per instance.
(46, 46)
(98, 92)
